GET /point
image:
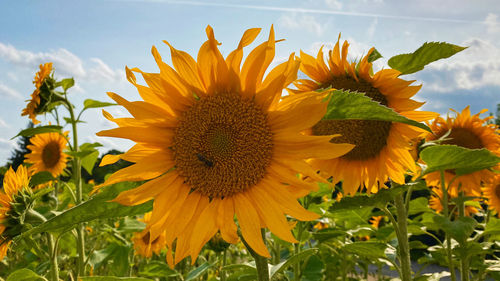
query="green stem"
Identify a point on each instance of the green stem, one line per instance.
(403, 244)
(224, 262)
(260, 261)
(444, 203)
(54, 267)
(464, 261)
(296, 266)
(77, 177)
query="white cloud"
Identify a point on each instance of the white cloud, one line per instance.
(6, 144)
(492, 24)
(371, 29)
(3, 124)
(9, 92)
(476, 67)
(335, 4)
(66, 64)
(13, 76)
(302, 21)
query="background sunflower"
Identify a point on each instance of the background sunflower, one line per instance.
(34, 102)
(47, 153)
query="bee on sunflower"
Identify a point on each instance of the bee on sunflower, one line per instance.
(469, 131)
(47, 153)
(215, 140)
(41, 95)
(382, 148)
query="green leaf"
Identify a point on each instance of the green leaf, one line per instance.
(492, 227)
(375, 55)
(40, 178)
(200, 270)
(24, 274)
(69, 121)
(90, 103)
(352, 105)
(112, 278)
(460, 159)
(157, 269)
(427, 53)
(379, 199)
(459, 229)
(313, 269)
(97, 207)
(419, 205)
(292, 260)
(38, 130)
(367, 249)
(89, 160)
(67, 83)
(327, 234)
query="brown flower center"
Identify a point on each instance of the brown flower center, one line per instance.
(223, 145)
(465, 138)
(51, 154)
(369, 136)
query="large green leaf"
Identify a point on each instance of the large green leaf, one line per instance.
(492, 227)
(313, 269)
(352, 105)
(39, 130)
(291, 261)
(24, 274)
(97, 207)
(367, 249)
(460, 159)
(459, 229)
(427, 53)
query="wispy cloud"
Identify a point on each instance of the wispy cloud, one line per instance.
(303, 10)
(492, 24)
(3, 124)
(9, 92)
(302, 22)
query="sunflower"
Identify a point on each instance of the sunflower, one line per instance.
(13, 182)
(215, 141)
(375, 221)
(32, 106)
(143, 245)
(436, 204)
(491, 192)
(47, 153)
(382, 148)
(469, 131)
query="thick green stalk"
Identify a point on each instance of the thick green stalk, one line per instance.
(464, 261)
(296, 267)
(77, 177)
(260, 261)
(54, 267)
(403, 244)
(444, 203)
(224, 262)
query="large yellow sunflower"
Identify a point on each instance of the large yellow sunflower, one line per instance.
(469, 131)
(215, 141)
(143, 245)
(47, 153)
(491, 191)
(382, 148)
(40, 76)
(13, 182)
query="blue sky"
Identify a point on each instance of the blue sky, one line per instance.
(92, 41)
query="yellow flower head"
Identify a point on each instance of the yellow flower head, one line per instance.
(144, 245)
(492, 193)
(469, 131)
(13, 182)
(32, 107)
(47, 153)
(375, 221)
(215, 141)
(436, 204)
(382, 148)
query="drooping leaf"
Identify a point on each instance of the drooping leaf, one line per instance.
(39, 130)
(24, 274)
(90, 103)
(427, 53)
(460, 159)
(200, 270)
(367, 249)
(352, 105)
(292, 260)
(97, 207)
(67, 83)
(375, 55)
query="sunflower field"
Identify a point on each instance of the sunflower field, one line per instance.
(316, 168)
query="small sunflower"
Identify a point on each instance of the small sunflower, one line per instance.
(143, 245)
(47, 153)
(375, 221)
(491, 192)
(215, 141)
(32, 107)
(469, 131)
(436, 204)
(13, 182)
(382, 148)
(320, 225)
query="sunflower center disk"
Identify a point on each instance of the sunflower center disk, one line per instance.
(51, 154)
(223, 145)
(370, 137)
(464, 138)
